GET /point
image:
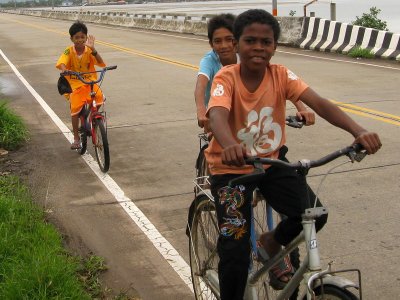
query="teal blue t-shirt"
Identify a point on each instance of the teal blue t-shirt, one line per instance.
(209, 66)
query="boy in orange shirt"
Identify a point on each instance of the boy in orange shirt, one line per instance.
(247, 117)
(80, 57)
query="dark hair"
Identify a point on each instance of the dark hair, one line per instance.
(77, 27)
(255, 16)
(220, 21)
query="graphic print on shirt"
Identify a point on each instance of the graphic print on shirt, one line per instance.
(232, 199)
(261, 135)
(219, 90)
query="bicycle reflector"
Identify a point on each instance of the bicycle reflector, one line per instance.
(63, 86)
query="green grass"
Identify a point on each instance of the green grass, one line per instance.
(357, 51)
(13, 132)
(33, 263)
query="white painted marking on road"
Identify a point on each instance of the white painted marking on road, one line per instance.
(159, 242)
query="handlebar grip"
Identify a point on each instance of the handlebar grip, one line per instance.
(111, 67)
(358, 147)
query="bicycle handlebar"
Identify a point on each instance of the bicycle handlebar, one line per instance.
(79, 74)
(354, 152)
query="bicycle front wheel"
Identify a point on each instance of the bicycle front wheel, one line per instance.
(204, 259)
(331, 292)
(101, 145)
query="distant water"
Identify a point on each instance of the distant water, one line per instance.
(346, 10)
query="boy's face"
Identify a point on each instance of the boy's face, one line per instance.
(223, 43)
(79, 40)
(256, 46)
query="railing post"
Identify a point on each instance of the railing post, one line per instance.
(333, 11)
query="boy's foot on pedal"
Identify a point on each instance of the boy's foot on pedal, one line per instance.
(76, 145)
(281, 274)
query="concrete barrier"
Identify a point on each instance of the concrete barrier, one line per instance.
(325, 35)
(308, 33)
(174, 22)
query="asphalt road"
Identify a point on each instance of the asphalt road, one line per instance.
(153, 140)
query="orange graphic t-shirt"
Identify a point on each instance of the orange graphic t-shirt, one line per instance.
(257, 120)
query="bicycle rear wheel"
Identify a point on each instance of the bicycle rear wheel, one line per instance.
(203, 249)
(202, 170)
(101, 145)
(263, 288)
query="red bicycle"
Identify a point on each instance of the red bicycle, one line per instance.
(93, 122)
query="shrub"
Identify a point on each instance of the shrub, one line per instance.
(371, 20)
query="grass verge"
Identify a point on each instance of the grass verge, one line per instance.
(357, 51)
(13, 132)
(33, 263)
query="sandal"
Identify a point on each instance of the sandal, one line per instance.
(281, 274)
(76, 145)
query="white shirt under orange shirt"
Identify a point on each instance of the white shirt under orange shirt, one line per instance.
(257, 120)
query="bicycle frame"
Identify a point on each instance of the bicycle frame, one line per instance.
(93, 114)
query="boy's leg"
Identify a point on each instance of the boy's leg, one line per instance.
(75, 125)
(287, 194)
(233, 211)
(77, 100)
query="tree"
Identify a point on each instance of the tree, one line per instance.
(371, 20)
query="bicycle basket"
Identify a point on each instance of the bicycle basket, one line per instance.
(63, 86)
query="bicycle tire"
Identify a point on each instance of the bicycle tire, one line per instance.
(101, 145)
(331, 292)
(263, 288)
(203, 254)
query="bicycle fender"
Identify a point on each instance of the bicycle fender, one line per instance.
(340, 282)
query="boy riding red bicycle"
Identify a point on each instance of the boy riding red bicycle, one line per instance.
(80, 57)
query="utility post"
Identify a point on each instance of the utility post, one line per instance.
(274, 8)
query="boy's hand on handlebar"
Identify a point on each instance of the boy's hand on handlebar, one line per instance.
(233, 155)
(65, 72)
(306, 116)
(370, 141)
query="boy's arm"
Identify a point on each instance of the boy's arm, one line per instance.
(232, 152)
(304, 114)
(62, 67)
(338, 118)
(199, 95)
(90, 44)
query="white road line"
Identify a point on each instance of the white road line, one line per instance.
(159, 242)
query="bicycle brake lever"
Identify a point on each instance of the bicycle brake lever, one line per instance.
(292, 121)
(357, 156)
